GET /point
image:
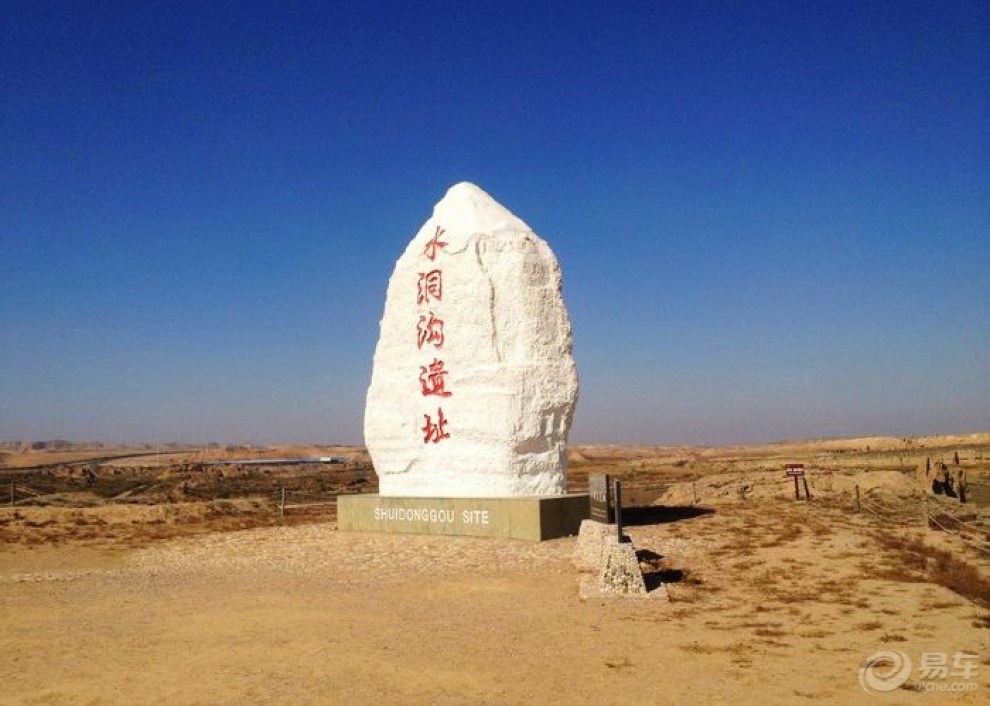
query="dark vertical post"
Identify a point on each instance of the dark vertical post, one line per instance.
(807, 493)
(858, 507)
(12, 493)
(282, 506)
(609, 515)
(797, 490)
(618, 510)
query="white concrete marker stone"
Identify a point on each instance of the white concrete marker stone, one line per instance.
(474, 384)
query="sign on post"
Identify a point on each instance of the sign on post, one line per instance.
(605, 498)
(796, 471)
(600, 494)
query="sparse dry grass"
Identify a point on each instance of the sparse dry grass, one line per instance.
(870, 625)
(787, 535)
(136, 525)
(908, 558)
(888, 637)
(816, 633)
(740, 649)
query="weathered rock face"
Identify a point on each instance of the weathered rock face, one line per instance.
(474, 384)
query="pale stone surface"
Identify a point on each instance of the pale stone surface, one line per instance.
(610, 567)
(620, 573)
(591, 544)
(501, 359)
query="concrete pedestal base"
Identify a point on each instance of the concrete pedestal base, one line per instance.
(533, 518)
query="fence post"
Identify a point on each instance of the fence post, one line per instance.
(281, 509)
(858, 506)
(618, 510)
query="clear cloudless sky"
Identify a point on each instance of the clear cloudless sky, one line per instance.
(773, 218)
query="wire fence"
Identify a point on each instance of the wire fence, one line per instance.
(288, 501)
(20, 494)
(285, 500)
(944, 521)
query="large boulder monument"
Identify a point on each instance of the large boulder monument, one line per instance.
(473, 385)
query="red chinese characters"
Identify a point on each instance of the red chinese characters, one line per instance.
(437, 431)
(434, 244)
(429, 332)
(433, 379)
(430, 287)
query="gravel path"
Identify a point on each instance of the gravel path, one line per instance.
(377, 558)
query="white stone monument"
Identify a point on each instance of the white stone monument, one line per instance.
(474, 384)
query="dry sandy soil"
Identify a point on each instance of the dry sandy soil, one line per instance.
(755, 598)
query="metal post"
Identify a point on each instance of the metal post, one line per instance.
(281, 510)
(797, 490)
(609, 515)
(807, 493)
(618, 510)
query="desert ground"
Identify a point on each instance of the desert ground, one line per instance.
(150, 576)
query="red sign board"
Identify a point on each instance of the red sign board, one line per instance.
(795, 469)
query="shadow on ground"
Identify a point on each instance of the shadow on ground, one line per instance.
(654, 575)
(660, 514)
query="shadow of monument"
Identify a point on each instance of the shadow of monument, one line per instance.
(655, 574)
(661, 514)
(658, 576)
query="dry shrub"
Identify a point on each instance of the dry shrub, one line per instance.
(788, 535)
(795, 595)
(697, 649)
(740, 649)
(821, 530)
(766, 579)
(910, 559)
(134, 524)
(618, 663)
(770, 632)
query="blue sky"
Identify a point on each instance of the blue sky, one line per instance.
(773, 219)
